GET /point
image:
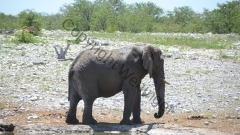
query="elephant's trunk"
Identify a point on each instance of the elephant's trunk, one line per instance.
(160, 92)
(161, 109)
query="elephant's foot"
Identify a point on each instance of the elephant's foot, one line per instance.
(71, 118)
(88, 121)
(137, 121)
(72, 121)
(126, 122)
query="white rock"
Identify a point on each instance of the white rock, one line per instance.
(29, 118)
(236, 98)
(112, 132)
(35, 117)
(34, 99)
(61, 102)
(206, 123)
(22, 108)
(186, 111)
(214, 116)
(237, 109)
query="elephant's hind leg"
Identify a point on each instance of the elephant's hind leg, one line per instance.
(74, 99)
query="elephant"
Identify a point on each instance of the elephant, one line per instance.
(103, 73)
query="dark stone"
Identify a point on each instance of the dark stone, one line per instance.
(168, 56)
(39, 62)
(7, 127)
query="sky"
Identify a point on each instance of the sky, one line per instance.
(14, 7)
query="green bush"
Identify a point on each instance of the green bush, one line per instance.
(30, 18)
(25, 37)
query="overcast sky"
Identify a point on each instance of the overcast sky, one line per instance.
(52, 6)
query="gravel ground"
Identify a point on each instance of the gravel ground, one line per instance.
(202, 81)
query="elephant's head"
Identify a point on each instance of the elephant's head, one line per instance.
(154, 63)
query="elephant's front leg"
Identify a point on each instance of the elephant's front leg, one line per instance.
(129, 98)
(87, 117)
(137, 108)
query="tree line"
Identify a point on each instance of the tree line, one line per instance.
(115, 15)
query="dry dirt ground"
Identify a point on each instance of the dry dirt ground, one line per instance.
(221, 124)
(207, 80)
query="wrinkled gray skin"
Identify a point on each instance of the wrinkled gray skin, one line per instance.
(103, 73)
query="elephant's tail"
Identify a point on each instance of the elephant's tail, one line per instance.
(70, 74)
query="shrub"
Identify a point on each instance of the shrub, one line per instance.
(25, 37)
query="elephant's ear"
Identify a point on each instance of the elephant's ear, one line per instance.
(148, 59)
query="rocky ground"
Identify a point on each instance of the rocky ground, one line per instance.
(203, 98)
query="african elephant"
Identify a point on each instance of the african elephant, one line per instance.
(103, 73)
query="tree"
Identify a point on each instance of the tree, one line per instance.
(229, 14)
(143, 16)
(183, 16)
(8, 21)
(79, 12)
(106, 15)
(117, 9)
(135, 19)
(101, 13)
(53, 21)
(30, 18)
(224, 19)
(84, 8)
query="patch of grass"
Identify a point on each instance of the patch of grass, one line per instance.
(44, 79)
(10, 41)
(66, 63)
(46, 87)
(197, 72)
(207, 71)
(23, 53)
(226, 56)
(17, 42)
(2, 106)
(185, 40)
(34, 77)
(22, 37)
(12, 62)
(188, 71)
(203, 72)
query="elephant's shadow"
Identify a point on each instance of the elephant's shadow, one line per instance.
(108, 127)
